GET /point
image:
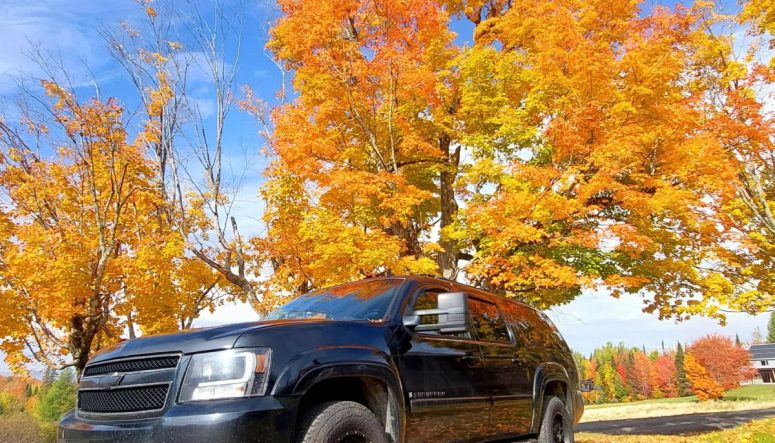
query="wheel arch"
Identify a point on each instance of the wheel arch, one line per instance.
(374, 385)
(550, 378)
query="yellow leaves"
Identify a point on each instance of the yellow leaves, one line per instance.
(611, 149)
(159, 96)
(159, 59)
(156, 58)
(761, 13)
(54, 90)
(85, 239)
(151, 12)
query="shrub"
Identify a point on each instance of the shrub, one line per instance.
(8, 403)
(57, 398)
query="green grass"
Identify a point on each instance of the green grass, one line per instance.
(743, 393)
(751, 392)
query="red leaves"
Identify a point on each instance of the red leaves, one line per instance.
(724, 362)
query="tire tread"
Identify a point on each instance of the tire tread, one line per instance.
(320, 422)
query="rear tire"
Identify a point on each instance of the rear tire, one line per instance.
(556, 424)
(341, 422)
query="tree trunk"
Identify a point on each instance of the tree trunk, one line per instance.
(447, 258)
(81, 337)
(411, 237)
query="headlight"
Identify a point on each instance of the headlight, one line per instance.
(226, 374)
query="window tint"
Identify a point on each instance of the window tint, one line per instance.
(487, 321)
(531, 327)
(429, 299)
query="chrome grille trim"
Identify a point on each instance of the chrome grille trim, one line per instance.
(152, 383)
(132, 365)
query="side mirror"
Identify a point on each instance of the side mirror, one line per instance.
(587, 385)
(452, 315)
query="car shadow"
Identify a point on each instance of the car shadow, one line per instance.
(676, 424)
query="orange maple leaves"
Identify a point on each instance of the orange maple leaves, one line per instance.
(580, 138)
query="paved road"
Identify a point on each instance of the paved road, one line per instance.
(675, 425)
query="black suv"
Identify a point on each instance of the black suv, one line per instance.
(408, 359)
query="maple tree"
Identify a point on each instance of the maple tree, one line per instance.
(741, 122)
(609, 181)
(350, 191)
(72, 226)
(641, 375)
(665, 376)
(760, 13)
(726, 363)
(548, 174)
(703, 385)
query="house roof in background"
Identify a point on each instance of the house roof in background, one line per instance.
(762, 352)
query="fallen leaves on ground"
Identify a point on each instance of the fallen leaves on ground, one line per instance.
(759, 431)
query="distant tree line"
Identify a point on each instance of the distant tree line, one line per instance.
(707, 367)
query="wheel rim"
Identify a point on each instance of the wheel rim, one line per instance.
(558, 429)
(353, 437)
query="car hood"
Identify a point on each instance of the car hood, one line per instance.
(190, 340)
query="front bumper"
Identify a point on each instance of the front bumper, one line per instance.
(257, 419)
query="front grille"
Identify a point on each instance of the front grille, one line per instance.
(145, 398)
(139, 385)
(132, 365)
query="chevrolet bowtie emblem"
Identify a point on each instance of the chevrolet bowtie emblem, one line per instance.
(111, 380)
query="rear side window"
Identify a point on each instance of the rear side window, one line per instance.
(487, 322)
(531, 328)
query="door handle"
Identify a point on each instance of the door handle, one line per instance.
(471, 359)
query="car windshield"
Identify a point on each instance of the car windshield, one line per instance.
(364, 300)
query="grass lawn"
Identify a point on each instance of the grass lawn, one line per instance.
(760, 431)
(747, 392)
(742, 398)
(751, 392)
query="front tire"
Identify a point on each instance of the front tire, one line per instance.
(556, 424)
(341, 422)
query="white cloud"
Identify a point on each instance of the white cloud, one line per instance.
(59, 28)
(595, 318)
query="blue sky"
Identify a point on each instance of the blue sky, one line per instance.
(70, 30)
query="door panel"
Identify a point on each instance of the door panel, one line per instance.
(509, 377)
(531, 334)
(511, 389)
(444, 378)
